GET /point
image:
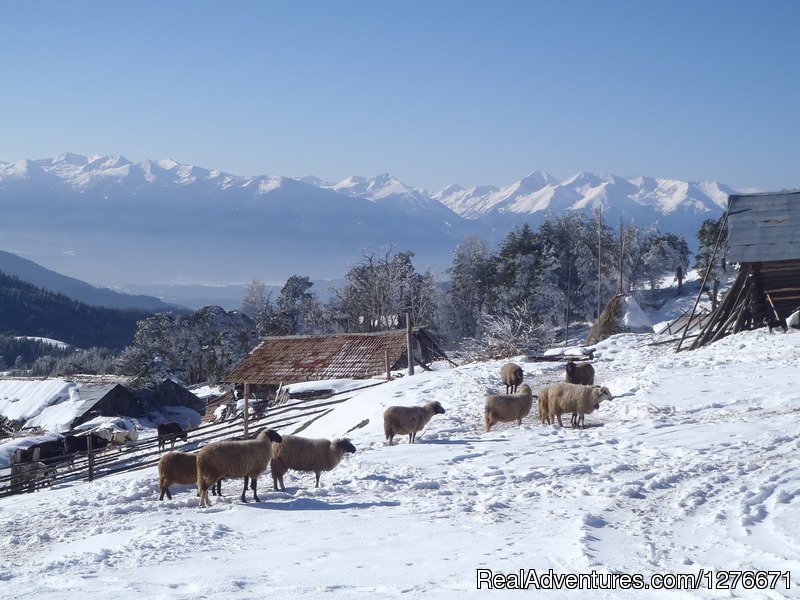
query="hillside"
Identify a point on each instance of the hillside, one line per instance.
(691, 469)
(27, 310)
(35, 274)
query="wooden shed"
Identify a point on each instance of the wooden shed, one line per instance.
(764, 239)
(111, 399)
(297, 358)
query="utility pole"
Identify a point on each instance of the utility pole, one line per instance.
(409, 344)
(621, 253)
(569, 290)
(599, 254)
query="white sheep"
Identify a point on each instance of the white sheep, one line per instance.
(582, 374)
(571, 398)
(179, 468)
(304, 454)
(234, 458)
(511, 375)
(401, 420)
(499, 408)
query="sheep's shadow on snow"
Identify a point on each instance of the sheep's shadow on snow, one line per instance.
(314, 504)
(459, 442)
(586, 426)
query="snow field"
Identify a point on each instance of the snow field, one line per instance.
(692, 465)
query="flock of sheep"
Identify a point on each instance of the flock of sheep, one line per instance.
(248, 459)
(577, 395)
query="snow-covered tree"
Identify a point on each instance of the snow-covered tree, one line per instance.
(667, 255)
(379, 291)
(256, 304)
(202, 346)
(473, 282)
(713, 233)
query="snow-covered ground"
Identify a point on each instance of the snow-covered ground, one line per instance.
(694, 465)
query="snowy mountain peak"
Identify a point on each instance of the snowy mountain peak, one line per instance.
(71, 159)
(538, 180)
(105, 163)
(383, 180)
(314, 180)
(451, 189)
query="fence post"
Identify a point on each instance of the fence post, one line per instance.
(90, 456)
(246, 406)
(409, 344)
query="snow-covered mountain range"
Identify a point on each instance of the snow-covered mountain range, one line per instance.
(110, 221)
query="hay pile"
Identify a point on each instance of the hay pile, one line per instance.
(622, 314)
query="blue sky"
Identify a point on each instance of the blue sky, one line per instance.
(433, 92)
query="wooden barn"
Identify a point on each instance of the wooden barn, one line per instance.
(764, 239)
(297, 358)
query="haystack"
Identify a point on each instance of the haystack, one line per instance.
(622, 314)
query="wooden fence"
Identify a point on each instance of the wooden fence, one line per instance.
(143, 454)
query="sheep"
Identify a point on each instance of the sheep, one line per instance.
(170, 432)
(544, 412)
(511, 376)
(508, 407)
(582, 374)
(572, 398)
(304, 454)
(401, 420)
(234, 458)
(179, 468)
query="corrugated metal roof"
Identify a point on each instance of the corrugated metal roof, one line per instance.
(764, 227)
(292, 359)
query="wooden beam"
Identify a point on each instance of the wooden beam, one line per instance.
(722, 312)
(703, 283)
(783, 289)
(246, 414)
(409, 344)
(422, 364)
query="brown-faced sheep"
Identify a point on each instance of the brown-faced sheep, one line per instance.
(511, 376)
(234, 458)
(179, 468)
(582, 374)
(401, 420)
(571, 398)
(304, 454)
(501, 408)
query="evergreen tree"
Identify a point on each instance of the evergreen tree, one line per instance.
(473, 283)
(711, 232)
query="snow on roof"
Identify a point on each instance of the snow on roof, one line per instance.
(206, 391)
(24, 399)
(51, 404)
(8, 447)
